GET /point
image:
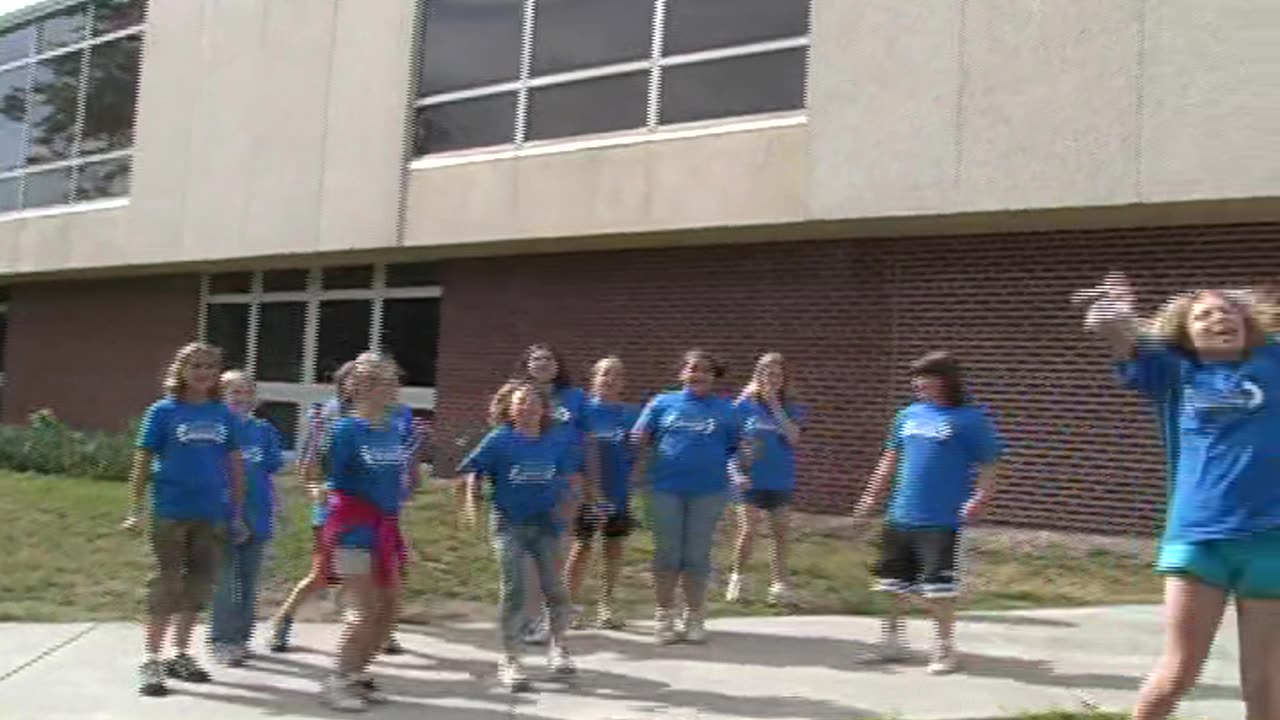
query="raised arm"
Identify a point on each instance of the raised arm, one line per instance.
(1111, 314)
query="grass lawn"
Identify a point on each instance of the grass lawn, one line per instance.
(68, 561)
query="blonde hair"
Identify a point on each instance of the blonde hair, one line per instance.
(369, 366)
(603, 364)
(752, 389)
(175, 384)
(1171, 321)
(500, 405)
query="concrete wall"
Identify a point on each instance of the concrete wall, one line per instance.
(94, 351)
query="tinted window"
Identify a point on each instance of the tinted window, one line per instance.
(410, 332)
(231, 282)
(9, 189)
(344, 333)
(483, 122)
(227, 326)
(13, 116)
(54, 95)
(413, 274)
(105, 179)
(590, 106)
(570, 34)
(737, 86)
(284, 280)
(347, 278)
(51, 187)
(704, 24)
(280, 341)
(112, 15)
(468, 44)
(112, 96)
(67, 27)
(284, 417)
(17, 44)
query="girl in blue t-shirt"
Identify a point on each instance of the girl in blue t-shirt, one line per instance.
(236, 596)
(1213, 374)
(609, 512)
(187, 449)
(940, 459)
(773, 425)
(532, 474)
(312, 470)
(689, 436)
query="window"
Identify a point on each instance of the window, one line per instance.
(600, 66)
(68, 96)
(284, 416)
(292, 328)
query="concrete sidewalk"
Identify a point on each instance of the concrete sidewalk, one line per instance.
(801, 668)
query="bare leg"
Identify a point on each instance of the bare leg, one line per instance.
(1193, 612)
(157, 628)
(182, 635)
(1260, 657)
(360, 629)
(579, 561)
(746, 537)
(779, 524)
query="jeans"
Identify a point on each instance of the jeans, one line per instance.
(236, 596)
(511, 543)
(684, 529)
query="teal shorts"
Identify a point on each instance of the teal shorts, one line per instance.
(1247, 567)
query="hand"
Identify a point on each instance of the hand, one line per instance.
(973, 509)
(1110, 301)
(239, 531)
(131, 523)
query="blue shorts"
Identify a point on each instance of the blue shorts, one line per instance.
(1248, 567)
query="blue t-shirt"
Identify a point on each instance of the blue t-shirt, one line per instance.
(529, 475)
(191, 444)
(260, 446)
(693, 439)
(774, 461)
(1221, 422)
(366, 461)
(939, 451)
(568, 412)
(610, 429)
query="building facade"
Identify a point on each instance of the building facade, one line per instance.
(849, 182)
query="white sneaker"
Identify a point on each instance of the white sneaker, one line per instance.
(733, 591)
(559, 662)
(781, 595)
(340, 694)
(367, 688)
(664, 631)
(537, 632)
(694, 628)
(511, 676)
(891, 649)
(944, 661)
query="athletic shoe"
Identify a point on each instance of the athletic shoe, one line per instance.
(537, 631)
(607, 619)
(664, 631)
(185, 668)
(280, 635)
(733, 593)
(393, 646)
(943, 661)
(694, 628)
(511, 675)
(368, 688)
(151, 679)
(340, 693)
(559, 662)
(228, 655)
(781, 595)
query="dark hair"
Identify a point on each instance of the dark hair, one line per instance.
(695, 355)
(340, 377)
(560, 381)
(945, 367)
(500, 404)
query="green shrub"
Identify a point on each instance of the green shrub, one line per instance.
(49, 446)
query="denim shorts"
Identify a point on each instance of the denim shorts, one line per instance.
(684, 530)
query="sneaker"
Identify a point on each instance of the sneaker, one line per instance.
(733, 592)
(781, 595)
(559, 662)
(393, 646)
(695, 628)
(943, 661)
(185, 668)
(368, 688)
(340, 693)
(151, 679)
(606, 619)
(280, 635)
(537, 631)
(511, 675)
(664, 631)
(228, 655)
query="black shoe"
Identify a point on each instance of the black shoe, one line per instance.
(185, 668)
(280, 635)
(393, 647)
(151, 681)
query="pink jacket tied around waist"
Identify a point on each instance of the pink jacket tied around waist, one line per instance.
(348, 512)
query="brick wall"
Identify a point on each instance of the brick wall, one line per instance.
(94, 351)
(850, 316)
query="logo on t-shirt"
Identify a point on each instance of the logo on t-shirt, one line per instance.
(561, 414)
(611, 435)
(253, 454)
(1223, 395)
(381, 455)
(928, 428)
(532, 473)
(201, 432)
(690, 423)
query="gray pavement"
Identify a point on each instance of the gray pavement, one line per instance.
(785, 668)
